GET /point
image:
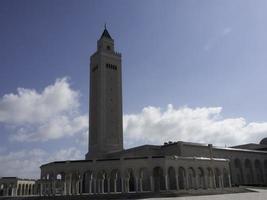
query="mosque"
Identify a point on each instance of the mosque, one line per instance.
(108, 168)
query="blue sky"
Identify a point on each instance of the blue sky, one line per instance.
(193, 70)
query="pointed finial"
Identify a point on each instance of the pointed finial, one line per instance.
(105, 26)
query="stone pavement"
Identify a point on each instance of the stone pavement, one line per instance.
(259, 194)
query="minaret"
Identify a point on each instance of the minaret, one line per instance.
(105, 115)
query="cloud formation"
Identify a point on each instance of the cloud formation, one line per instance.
(50, 114)
(26, 163)
(205, 125)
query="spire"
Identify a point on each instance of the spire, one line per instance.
(106, 33)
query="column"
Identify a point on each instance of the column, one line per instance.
(103, 185)
(136, 185)
(115, 185)
(95, 188)
(177, 182)
(166, 182)
(90, 186)
(152, 183)
(70, 184)
(65, 187)
(141, 184)
(230, 183)
(221, 182)
(81, 186)
(186, 181)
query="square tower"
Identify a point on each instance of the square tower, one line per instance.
(105, 115)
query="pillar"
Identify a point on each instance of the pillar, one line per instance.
(95, 188)
(230, 183)
(177, 181)
(141, 184)
(166, 182)
(136, 185)
(70, 184)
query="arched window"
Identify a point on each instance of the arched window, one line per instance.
(159, 179)
(182, 178)
(172, 178)
(144, 180)
(201, 180)
(191, 178)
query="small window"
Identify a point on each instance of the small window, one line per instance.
(108, 47)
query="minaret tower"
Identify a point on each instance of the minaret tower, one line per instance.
(105, 115)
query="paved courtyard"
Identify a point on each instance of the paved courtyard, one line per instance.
(260, 194)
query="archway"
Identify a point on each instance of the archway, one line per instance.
(191, 178)
(102, 184)
(144, 180)
(249, 172)
(259, 172)
(172, 178)
(131, 182)
(210, 178)
(23, 190)
(182, 178)
(87, 182)
(19, 190)
(159, 179)
(115, 181)
(200, 177)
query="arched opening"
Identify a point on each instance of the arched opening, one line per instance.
(26, 189)
(30, 190)
(87, 186)
(226, 178)
(102, 184)
(131, 182)
(23, 190)
(249, 172)
(19, 190)
(217, 178)
(144, 180)
(210, 178)
(239, 172)
(115, 181)
(172, 178)
(182, 178)
(200, 177)
(159, 179)
(59, 184)
(191, 178)
(259, 172)
(9, 191)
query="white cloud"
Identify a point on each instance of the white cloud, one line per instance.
(50, 114)
(26, 163)
(205, 125)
